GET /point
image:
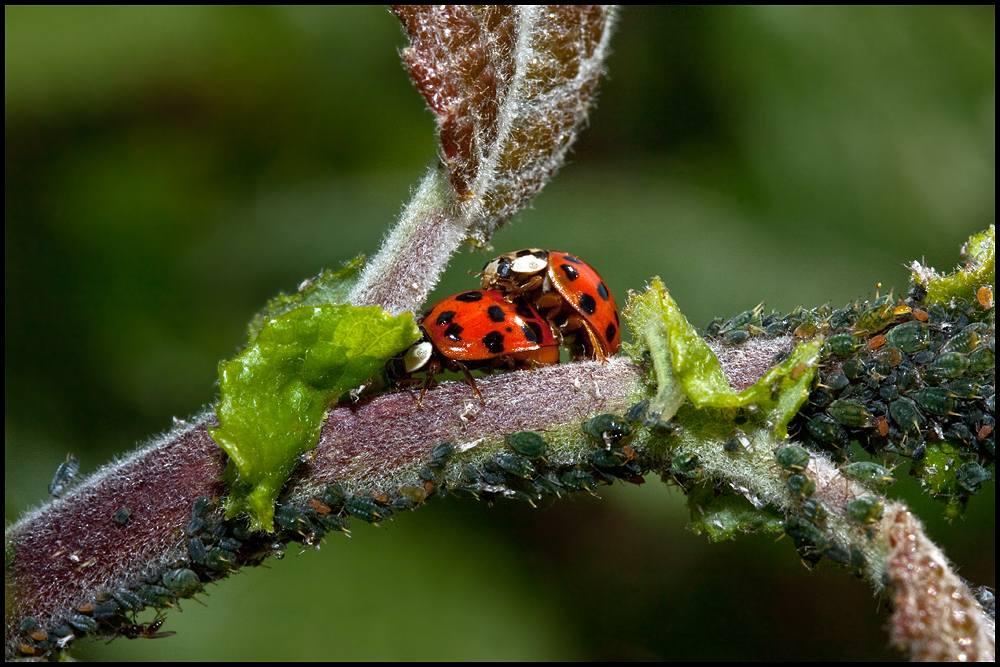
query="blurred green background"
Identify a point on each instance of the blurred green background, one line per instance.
(169, 169)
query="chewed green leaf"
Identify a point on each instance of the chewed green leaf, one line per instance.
(685, 366)
(980, 270)
(330, 287)
(276, 392)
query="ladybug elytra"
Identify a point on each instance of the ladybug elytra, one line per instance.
(481, 329)
(570, 294)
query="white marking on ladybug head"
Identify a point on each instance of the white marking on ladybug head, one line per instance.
(417, 356)
(529, 264)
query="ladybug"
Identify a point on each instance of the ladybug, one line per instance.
(481, 329)
(566, 290)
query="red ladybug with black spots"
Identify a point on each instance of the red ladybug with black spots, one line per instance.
(481, 329)
(565, 289)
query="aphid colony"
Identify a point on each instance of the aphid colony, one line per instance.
(531, 302)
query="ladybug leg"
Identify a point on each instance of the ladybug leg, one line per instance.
(470, 380)
(591, 344)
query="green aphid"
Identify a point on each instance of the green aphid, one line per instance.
(853, 369)
(181, 581)
(792, 458)
(367, 510)
(866, 509)
(879, 315)
(528, 444)
(801, 485)
(905, 413)
(202, 506)
(813, 510)
(910, 337)
(608, 458)
(291, 519)
(804, 532)
(965, 388)
(971, 476)
(516, 465)
(842, 344)
(936, 400)
(607, 428)
(836, 553)
(686, 465)
(982, 360)
(219, 559)
(964, 342)
(578, 480)
(122, 515)
(949, 365)
(735, 337)
(333, 495)
(637, 413)
(868, 471)
(745, 319)
(825, 429)
(851, 413)
(83, 624)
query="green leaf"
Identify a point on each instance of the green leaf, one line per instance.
(276, 392)
(980, 270)
(685, 366)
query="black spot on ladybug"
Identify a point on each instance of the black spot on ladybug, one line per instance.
(574, 260)
(524, 310)
(496, 313)
(602, 291)
(494, 342)
(571, 273)
(445, 318)
(469, 297)
(532, 332)
(509, 329)
(610, 333)
(541, 254)
(588, 304)
(454, 332)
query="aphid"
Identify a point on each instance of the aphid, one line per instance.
(578, 480)
(801, 485)
(480, 328)
(866, 509)
(875, 342)
(570, 294)
(687, 465)
(64, 476)
(825, 429)
(607, 428)
(181, 581)
(367, 510)
(949, 365)
(982, 360)
(842, 344)
(528, 444)
(910, 337)
(792, 458)
(608, 458)
(867, 471)
(936, 400)
(122, 515)
(905, 413)
(851, 413)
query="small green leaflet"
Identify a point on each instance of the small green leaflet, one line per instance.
(980, 269)
(301, 360)
(686, 367)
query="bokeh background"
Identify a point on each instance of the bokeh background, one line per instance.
(169, 169)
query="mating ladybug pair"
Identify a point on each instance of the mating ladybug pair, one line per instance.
(530, 300)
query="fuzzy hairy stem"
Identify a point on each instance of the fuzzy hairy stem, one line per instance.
(935, 616)
(510, 87)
